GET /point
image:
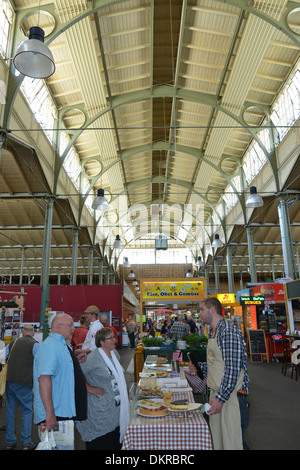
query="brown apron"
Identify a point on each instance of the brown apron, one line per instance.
(225, 426)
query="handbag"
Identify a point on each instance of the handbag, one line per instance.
(47, 442)
(3, 373)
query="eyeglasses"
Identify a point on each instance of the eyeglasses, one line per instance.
(110, 337)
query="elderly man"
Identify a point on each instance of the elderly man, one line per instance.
(19, 387)
(59, 386)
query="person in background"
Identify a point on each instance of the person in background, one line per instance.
(108, 409)
(80, 333)
(154, 329)
(131, 329)
(104, 322)
(60, 391)
(180, 328)
(19, 384)
(91, 315)
(227, 378)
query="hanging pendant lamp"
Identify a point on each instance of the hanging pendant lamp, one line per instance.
(217, 243)
(33, 58)
(254, 200)
(100, 203)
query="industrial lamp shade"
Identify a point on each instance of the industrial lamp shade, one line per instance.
(254, 200)
(100, 203)
(217, 243)
(33, 58)
(126, 263)
(189, 274)
(135, 283)
(118, 243)
(199, 262)
(131, 274)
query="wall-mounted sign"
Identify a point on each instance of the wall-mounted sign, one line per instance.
(176, 290)
(226, 298)
(252, 300)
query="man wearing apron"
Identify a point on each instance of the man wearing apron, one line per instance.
(226, 376)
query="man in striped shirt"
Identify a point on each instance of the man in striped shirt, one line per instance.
(227, 375)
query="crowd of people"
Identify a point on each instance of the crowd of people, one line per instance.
(183, 324)
(76, 375)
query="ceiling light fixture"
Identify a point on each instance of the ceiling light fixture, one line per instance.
(118, 243)
(33, 58)
(135, 283)
(126, 263)
(254, 200)
(189, 274)
(217, 243)
(199, 262)
(131, 274)
(100, 203)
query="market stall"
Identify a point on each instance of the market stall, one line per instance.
(164, 414)
(175, 291)
(292, 301)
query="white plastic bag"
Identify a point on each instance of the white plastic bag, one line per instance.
(47, 442)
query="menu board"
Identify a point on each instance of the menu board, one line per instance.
(257, 345)
(293, 289)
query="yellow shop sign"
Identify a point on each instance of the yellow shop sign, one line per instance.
(226, 298)
(179, 290)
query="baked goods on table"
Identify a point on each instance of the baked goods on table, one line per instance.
(151, 392)
(161, 411)
(162, 359)
(179, 405)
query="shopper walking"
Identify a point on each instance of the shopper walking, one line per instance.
(19, 383)
(226, 376)
(131, 329)
(108, 405)
(59, 385)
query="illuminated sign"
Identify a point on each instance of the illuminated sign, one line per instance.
(176, 290)
(226, 298)
(252, 300)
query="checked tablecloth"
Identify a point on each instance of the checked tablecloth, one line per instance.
(171, 432)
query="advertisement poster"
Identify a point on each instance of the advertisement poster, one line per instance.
(175, 290)
(271, 292)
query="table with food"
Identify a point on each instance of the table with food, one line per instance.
(164, 415)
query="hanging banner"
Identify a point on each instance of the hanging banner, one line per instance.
(175, 290)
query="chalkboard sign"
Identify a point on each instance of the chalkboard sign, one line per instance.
(257, 344)
(293, 289)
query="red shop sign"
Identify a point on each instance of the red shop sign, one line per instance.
(270, 291)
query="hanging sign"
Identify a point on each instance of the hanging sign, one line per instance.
(251, 299)
(226, 298)
(175, 290)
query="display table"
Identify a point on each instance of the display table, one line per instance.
(199, 353)
(172, 432)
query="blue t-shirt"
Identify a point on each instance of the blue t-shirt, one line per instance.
(53, 358)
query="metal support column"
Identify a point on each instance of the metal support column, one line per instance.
(286, 239)
(251, 253)
(217, 281)
(90, 266)
(74, 256)
(46, 266)
(22, 266)
(230, 270)
(101, 272)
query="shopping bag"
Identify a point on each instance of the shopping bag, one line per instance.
(47, 442)
(3, 375)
